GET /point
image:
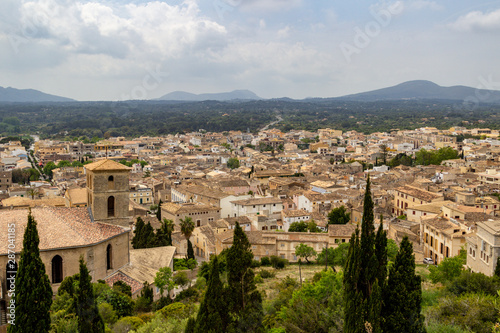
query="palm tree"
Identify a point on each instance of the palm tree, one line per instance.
(168, 227)
(187, 227)
(32, 192)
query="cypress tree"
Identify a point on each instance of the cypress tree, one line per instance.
(381, 254)
(367, 257)
(89, 319)
(352, 297)
(190, 251)
(245, 302)
(403, 294)
(148, 237)
(497, 269)
(137, 240)
(158, 211)
(367, 243)
(190, 325)
(212, 314)
(33, 296)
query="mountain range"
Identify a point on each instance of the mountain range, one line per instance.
(410, 90)
(421, 89)
(243, 95)
(29, 96)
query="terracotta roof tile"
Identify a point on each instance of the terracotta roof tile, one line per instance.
(58, 227)
(106, 165)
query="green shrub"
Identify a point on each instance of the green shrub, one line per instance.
(434, 327)
(177, 310)
(161, 303)
(431, 297)
(475, 312)
(469, 282)
(191, 294)
(107, 313)
(255, 263)
(265, 261)
(266, 274)
(126, 324)
(278, 262)
(447, 270)
(258, 279)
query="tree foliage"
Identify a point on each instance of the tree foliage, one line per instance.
(33, 294)
(403, 294)
(187, 227)
(339, 215)
(233, 163)
(245, 302)
(362, 289)
(304, 251)
(427, 157)
(212, 316)
(303, 226)
(447, 270)
(89, 319)
(164, 280)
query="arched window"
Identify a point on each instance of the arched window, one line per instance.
(57, 269)
(111, 183)
(111, 206)
(109, 257)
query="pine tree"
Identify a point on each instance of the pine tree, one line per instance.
(212, 314)
(365, 265)
(403, 294)
(137, 240)
(245, 302)
(89, 319)
(33, 296)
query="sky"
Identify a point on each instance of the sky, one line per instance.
(93, 50)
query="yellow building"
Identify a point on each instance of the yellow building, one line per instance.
(410, 196)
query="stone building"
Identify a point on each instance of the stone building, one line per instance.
(5, 180)
(483, 247)
(65, 235)
(200, 214)
(108, 191)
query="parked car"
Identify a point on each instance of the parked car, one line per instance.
(428, 261)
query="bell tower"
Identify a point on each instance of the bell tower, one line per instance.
(108, 191)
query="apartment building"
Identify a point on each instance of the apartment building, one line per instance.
(409, 196)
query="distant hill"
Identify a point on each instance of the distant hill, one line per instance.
(225, 96)
(421, 89)
(29, 96)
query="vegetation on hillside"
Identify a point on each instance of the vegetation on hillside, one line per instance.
(93, 120)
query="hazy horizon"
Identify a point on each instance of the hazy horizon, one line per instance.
(132, 49)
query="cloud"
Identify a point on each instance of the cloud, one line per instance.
(116, 30)
(283, 33)
(265, 5)
(478, 21)
(424, 4)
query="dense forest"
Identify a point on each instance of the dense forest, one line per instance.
(133, 118)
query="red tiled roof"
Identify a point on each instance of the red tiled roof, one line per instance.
(58, 227)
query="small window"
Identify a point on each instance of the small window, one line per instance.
(111, 206)
(111, 183)
(109, 257)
